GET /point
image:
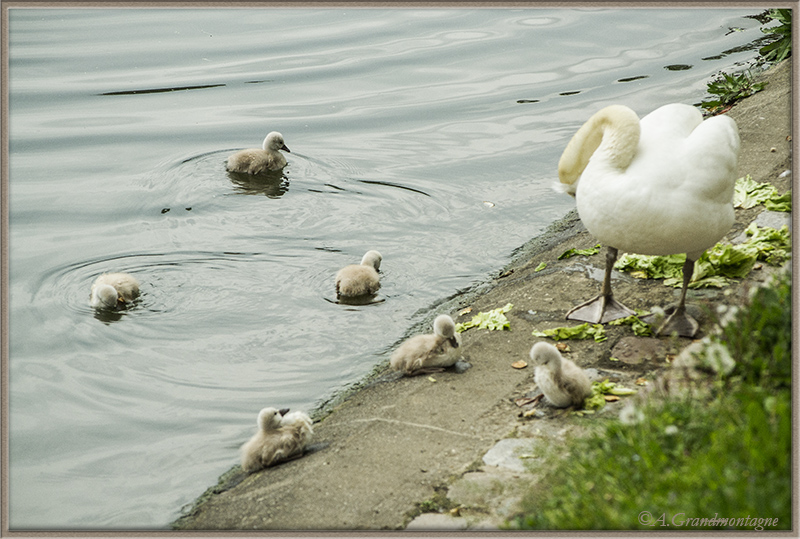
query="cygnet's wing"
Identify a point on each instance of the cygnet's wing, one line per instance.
(575, 382)
(357, 280)
(413, 353)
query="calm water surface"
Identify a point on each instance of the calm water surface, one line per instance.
(403, 124)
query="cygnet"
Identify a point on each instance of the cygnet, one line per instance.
(281, 436)
(255, 161)
(428, 353)
(562, 382)
(360, 279)
(112, 290)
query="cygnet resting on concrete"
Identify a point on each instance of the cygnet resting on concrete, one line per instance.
(255, 161)
(281, 436)
(562, 382)
(428, 353)
(112, 290)
(360, 279)
(661, 185)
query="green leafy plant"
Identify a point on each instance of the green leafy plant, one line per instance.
(781, 47)
(729, 89)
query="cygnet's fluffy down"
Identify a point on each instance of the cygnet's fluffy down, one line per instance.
(428, 353)
(281, 436)
(112, 290)
(360, 279)
(255, 161)
(562, 382)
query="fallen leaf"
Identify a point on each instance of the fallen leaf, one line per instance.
(613, 359)
(611, 398)
(562, 347)
(519, 364)
(431, 378)
(641, 382)
(464, 311)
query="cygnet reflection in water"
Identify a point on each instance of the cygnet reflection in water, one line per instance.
(270, 184)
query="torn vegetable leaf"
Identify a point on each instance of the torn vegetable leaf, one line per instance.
(748, 192)
(642, 329)
(600, 389)
(586, 252)
(491, 320)
(582, 331)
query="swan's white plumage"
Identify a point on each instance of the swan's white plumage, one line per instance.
(671, 194)
(423, 353)
(360, 279)
(562, 382)
(112, 290)
(259, 161)
(660, 186)
(281, 436)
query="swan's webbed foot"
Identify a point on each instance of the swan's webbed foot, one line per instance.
(678, 321)
(599, 310)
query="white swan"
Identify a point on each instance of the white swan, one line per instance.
(428, 353)
(562, 382)
(255, 161)
(659, 186)
(281, 436)
(361, 279)
(112, 290)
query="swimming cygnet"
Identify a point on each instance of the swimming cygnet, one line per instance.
(360, 279)
(112, 290)
(255, 161)
(562, 382)
(281, 436)
(428, 353)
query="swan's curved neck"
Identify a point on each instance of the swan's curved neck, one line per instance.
(614, 129)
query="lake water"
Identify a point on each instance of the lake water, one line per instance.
(431, 135)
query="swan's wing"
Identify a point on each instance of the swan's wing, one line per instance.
(712, 152)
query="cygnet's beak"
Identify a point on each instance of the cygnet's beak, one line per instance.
(454, 342)
(286, 149)
(283, 411)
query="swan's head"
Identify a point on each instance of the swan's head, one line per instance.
(104, 296)
(270, 418)
(546, 355)
(372, 258)
(274, 141)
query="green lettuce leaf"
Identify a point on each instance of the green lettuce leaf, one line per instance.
(586, 252)
(494, 320)
(642, 329)
(582, 331)
(781, 203)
